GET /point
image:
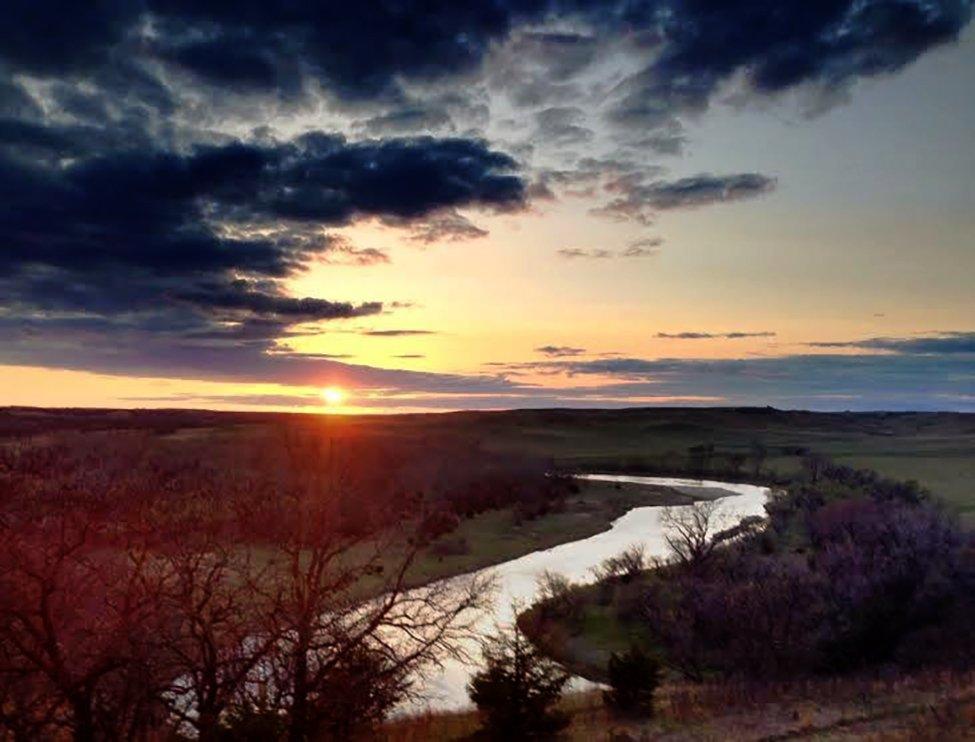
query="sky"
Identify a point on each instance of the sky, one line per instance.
(391, 206)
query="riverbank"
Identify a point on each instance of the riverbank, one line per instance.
(499, 536)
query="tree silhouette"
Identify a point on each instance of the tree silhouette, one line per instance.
(517, 689)
(633, 679)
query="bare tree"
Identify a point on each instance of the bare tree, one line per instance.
(77, 615)
(341, 658)
(625, 566)
(688, 532)
(214, 640)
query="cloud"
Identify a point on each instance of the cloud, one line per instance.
(242, 297)
(684, 52)
(573, 253)
(341, 251)
(444, 226)
(562, 126)
(817, 382)
(559, 351)
(148, 227)
(164, 246)
(396, 333)
(820, 382)
(638, 200)
(713, 335)
(773, 48)
(947, 343)
(407, 119)
(642, 248)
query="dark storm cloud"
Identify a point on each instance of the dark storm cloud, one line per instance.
(713, 335)
(777, 46)
(405, 120)
(366, 49)
(947, 343)
(242, 297)
(153, 210)
(358, 50)
(183, 251)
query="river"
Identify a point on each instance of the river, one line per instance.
(446, 688)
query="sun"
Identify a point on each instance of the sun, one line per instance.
(333, 396)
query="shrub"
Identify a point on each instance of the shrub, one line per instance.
(517, 689)
(625, 566)
(633, 678)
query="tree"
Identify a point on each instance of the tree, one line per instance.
(341, 662)
(633, 679)
(78, 615)
(699, 458)
(214, 639)
(736, 461)
(759, 452)
(517, 688)
(625, 566)
(688, 532)
(557, 596)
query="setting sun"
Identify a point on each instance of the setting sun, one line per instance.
(333, 396)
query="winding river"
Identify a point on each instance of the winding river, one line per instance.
(446, 688)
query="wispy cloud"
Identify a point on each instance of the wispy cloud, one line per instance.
(396, 333)
(559, 351)
(738, 335)
(944, 343)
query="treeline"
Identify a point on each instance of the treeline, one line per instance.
(200, 588)
(707, 460)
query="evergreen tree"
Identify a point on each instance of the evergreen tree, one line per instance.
(517, 689)
(633, 678)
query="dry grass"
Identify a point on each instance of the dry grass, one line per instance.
(936, 706)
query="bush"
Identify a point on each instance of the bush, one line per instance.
(633, 678)
(625, 566)
(517, 689)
